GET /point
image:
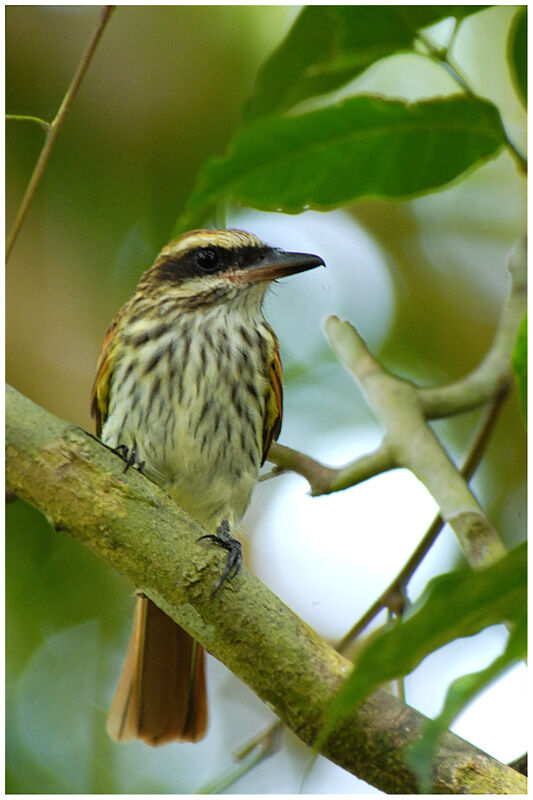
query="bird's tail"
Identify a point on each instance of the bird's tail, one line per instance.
(161, 694)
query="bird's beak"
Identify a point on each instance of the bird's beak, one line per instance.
(278, 264)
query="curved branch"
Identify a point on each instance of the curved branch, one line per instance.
(394, 597)
(319, 475)
(494, 373)
(323, 479)
(415, 446)
(404, 410)
(135, 527)
(492, 378)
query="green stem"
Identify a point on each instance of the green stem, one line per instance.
(27, 118)
(253, 753)
(223, 782)
(55, 127)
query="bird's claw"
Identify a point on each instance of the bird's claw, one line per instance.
(130, 457)
(224, 539)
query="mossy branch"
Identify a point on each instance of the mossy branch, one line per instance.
(80, 486)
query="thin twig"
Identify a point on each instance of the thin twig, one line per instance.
(307, 771)
(394, 594)
(361, 469)
(400, 688)
(55, 127)
(274, 473)
(442, 57)
(223, 782)
(320, 476)
(250, 755)
(399, 683)
(415, 446)
(453, 37)
(323, 479)
(491, 377)
(27, 118)
(494, 373)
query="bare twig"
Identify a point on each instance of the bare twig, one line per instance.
(404, 410)
(490, 379)
(363, 468)
(415, 446)
(273, 473)
(55, 127)
(443, 57)
(494, 373)
(252, 754)
(318, 475)
(393, 597)
(323, 479)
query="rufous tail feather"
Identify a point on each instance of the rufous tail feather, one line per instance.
(161, 694)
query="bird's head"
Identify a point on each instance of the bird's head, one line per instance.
(205, 267)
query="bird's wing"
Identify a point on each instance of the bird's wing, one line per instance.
(274, 403)
(100, 392)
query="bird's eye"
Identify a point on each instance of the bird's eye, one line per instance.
(207, 259)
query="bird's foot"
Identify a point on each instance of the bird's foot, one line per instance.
(130, 457)
(224, 539)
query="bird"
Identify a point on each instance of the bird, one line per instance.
(188, 390)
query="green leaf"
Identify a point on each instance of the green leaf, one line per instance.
(364, 146)
(461, 692)
(330, 45)
(520, 365)
(453, 605)
(517, 54)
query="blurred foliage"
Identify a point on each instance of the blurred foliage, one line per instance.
(453, 605)
(164, 95)
(517, 53)
(461, 692)
(328, 46)
(520, 366)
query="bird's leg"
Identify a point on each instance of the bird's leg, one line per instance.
(130, 457)
(223, 538)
